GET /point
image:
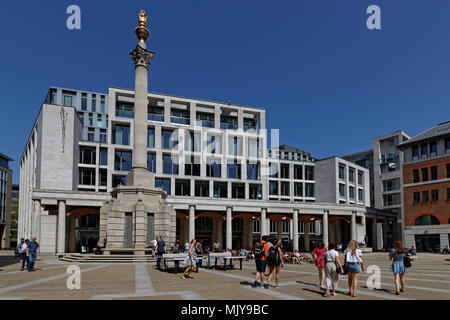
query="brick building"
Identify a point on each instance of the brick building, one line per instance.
(426, 188)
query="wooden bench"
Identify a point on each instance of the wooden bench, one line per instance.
(225, 256)
(176, 258)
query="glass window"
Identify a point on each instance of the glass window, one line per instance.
(220, 190)
(191, 141)
(103, 176)
(124, 110)
(94, 103)
(434, 195)
(309, 173)
(163, 184)
(273, 188)
(122, 160)
(91, 119)
(342, 190)
(103, 136)
(448, 169)
(433, 173)
(170, 164)
(202, 188)
(252, 171)
(426, 219)
(84, 101)
(298, 189)
(150, 137)
(298, 174)
(351, 192)
(68, 100)
(118, 180)
(424, 174)
(227, 122)
(416, 175)
(87, 176)
(351, 174)
(87, 155)
(169, 139)
(255, 191)
(103, 156)
(205, 119)
(433, 147)
(234, 170)
(415, 151)
(273, 170)
(284, 171)
(213, 144)
(102, 104)
(424, 149)
(91, 134)
(360, 178)
(253, 148)
(391, 184)
(234, 146)
(425, 196)
(191, 166)
(448, 194)
(238, 190)
(309, 190)
(360, 195)
(182, 187)
(341, 172)
(213, 169)
(151, 162)
(250, 124)
(99, 120)
(447, 144)
(121, 134)
(155, 113)
(416, 197)
(285, 188)
(180, 116)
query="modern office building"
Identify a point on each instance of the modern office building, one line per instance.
(5, 201)
(14, 214)
(426, 188)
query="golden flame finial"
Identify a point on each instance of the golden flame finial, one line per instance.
(142, 18)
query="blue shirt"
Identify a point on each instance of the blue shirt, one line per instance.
(397, 256)
(161, 245)
(32, 247)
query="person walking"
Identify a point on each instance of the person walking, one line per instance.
(354, 263)
(189, 262)
(333, 268)
(260, 253)
(34, 251)
(319, 258)
(274, 263)
(397, 256)
(22, 250)
(160, 250)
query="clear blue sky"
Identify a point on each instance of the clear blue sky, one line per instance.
(326, 81)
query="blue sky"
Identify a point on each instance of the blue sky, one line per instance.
(327, 82)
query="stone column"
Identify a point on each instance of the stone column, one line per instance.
(250, 234)
(353, 226)
(140, 228)
(191, 223)
(279, 229)
(263, 222)
(220, 232)
(325, 228)
(228, 226)
(37, 220)
(72, 237)
(295, 229)
(61, 245)
(306, 236)
(385, 234)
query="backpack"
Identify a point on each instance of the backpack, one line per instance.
(272, 257)
(259, 250)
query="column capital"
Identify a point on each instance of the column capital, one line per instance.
(141, 57)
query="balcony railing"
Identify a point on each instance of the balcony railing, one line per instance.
(390, 158)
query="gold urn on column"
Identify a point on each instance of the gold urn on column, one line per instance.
(141, 31)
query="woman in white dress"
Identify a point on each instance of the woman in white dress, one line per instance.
(189, 262)
(331, 266)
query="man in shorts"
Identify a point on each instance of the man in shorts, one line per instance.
(260, 253)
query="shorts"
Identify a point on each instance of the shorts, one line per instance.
(353, 267)
(260, 265)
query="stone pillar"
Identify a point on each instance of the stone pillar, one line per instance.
(72, 236)
(353, 227)
(228, 227)
(279, 229)
(61, 244)
(385, 234)
(325, 228)
(306, 236)
(295, 230)
(140, 229)
(37, 220)
(191, 223)
(220, 231)
(263, 223)
(250, 234)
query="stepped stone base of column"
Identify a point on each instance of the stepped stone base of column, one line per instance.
(141, 178)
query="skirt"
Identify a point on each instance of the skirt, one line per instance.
(353, 267)
(397, 267)
(189, 261)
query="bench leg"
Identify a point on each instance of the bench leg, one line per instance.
(224, 264)
(215, 264)
(240, 264)
(177, 264)
(231, 263)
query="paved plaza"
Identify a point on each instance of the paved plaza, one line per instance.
(429, 278)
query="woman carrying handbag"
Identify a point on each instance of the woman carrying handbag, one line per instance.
(397, 255)
(333, 268)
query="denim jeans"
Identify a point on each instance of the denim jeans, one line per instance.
(31, 260)
(23, 258)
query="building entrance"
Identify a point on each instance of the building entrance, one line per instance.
(87, 232)
(428, 242)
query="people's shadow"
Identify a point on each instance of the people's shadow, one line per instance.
(381, 289)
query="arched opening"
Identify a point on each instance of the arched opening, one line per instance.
(425, 220)
(237, 227)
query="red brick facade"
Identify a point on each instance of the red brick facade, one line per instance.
(440, 208)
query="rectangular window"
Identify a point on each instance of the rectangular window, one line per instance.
(424, 150)
(250, 124)
(424, 174)
(309, 173)
(433, 173)
(298, 189)
(448, 169)
(238, 190)
(124, 110)
(213, 144)
(103, 156)
(447, 145)
(273, 188)
(416, 197)
(103, 136)
(285, 188)
(433, 148)
(180, 116)
(169, 139)
(227, 122)
(341, 172)
(416, 175)
(220, 190)
(87, 155)
(298, 174)
(253, 148)
(68, 100)
(425, 196)
(234, 170)
(163, 184)
(170, 164)
(91, 119)
(255, 191)
(360, 195)
(122, 160)
(342, 190)
(448, 193)
(213, 169)
(102, 104)
(191, 166)
(252, 171)
(91, 134)
(99, 120)
(103, 176)
(351, 174)
(182, 188)
(391, 199)
(273, 170)
(205, 119)
(94, 103)
(309, 190)
(234, 146)
(121, 134)
(434, 195)
(201, 188)
(360, 178)
(118, 180)
(415, 151)
(156, 114)
(391, 184)
(84, 101)
(87, 176)
(284, 171)
(151, 162)
(191, 141)
(150, 138)
(351, 192)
